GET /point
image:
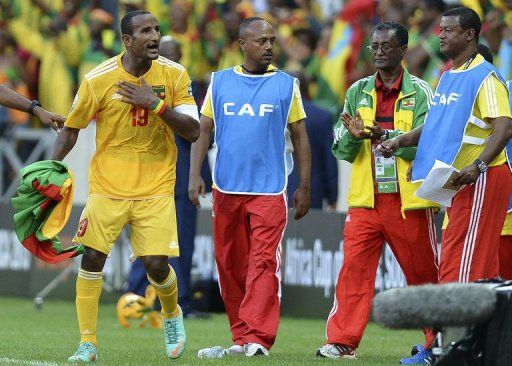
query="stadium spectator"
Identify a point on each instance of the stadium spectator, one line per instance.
(251, 105)
(139, 100)
(382, 205)
(186, 216)
(102, 45)
(473, 142)
(423, 56)
(324, 167)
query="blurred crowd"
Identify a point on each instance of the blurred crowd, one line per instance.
(46, 46)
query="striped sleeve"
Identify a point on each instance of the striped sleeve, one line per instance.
(423, 86)
(492, 100)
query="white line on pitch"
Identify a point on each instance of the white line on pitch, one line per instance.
(16, 361)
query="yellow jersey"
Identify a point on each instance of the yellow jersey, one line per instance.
(135, 154)
(491, 102)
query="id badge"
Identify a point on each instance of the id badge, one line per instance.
(385, 174)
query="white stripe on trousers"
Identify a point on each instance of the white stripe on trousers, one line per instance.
(472, 233)
(432, 234)
(279, 248)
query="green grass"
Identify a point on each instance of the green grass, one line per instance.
(49, 336)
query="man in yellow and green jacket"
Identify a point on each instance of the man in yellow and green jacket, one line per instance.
(382, 205)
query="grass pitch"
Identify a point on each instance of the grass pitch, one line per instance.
(47, 337)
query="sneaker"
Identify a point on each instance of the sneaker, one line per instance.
(219, 352)
(255, 349)
(420, 356)
(337, 351)
(85, 353)
(235, 350)
(175, 337)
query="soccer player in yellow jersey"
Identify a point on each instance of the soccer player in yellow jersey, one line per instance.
(138, 100)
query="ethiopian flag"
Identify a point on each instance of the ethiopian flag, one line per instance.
(42, 208)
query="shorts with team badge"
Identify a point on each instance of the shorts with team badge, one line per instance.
(152, 222)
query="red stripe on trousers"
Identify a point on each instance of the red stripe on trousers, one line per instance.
(471, 240)
(364, 234)
(247, 233)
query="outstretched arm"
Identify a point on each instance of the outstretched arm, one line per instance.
(11, 99)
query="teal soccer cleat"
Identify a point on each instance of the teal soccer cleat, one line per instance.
(175, 337)
(85, 353)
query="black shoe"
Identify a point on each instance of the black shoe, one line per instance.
(196, 314)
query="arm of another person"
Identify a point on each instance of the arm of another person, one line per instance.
(11, 99)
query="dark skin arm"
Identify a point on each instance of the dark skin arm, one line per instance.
(64, 143)
(143, 96)
(11, 99)
(301, 197)
(198, 152)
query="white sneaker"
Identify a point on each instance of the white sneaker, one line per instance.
(219, 352)
(235, 350)
(255, 349)
(337, 351)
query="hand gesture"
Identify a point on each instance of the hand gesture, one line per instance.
(465, 176)
(355, 126)
(388, 148)
(141, 96)
(196, 187)
(56, 121)
(301, 202)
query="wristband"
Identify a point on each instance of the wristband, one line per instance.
(33, 104)
(162, 110)
(158, 107)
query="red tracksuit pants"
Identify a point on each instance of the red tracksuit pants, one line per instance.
(248, 230)
(413, 242)
(472, 238)
(506, 257)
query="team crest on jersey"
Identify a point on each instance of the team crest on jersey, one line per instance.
(82, 228)
(408, 103)
(159, 90)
